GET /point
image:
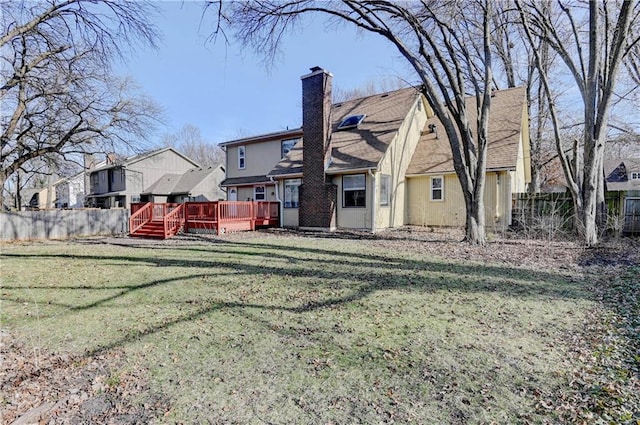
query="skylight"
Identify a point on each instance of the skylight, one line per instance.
(351, 121)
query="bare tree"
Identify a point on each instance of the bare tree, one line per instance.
(446, 43)
(368, 89)
(518, 65)
(58, 96)
(189, 141)
(598, 38)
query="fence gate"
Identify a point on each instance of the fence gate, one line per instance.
(632, 215)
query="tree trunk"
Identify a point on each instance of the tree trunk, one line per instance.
(589, 228)
(475, 229)
(602, 213)
(3, 180)
(536, 177)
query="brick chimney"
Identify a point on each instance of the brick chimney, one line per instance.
(317, 194)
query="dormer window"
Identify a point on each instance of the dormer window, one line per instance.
(352, 121)
(635, 176)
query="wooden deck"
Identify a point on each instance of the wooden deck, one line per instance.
(165, 220)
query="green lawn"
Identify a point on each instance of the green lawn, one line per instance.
(268, 329)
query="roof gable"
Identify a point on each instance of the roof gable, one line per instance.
(141, 157)
(433, 154)
(172, 184)
(618, 174)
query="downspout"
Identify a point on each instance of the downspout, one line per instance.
(373, 206)
(280, 209)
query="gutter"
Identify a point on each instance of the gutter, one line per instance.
(281, 210)
(350, 171)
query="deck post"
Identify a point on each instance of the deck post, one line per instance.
(252, 213)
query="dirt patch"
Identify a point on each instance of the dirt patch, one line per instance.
(53, 388)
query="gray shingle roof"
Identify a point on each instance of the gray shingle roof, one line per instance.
(361, 147)
(238, 181)
(433, 155)
(176, 184)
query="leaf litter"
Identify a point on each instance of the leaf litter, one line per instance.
(603, 360)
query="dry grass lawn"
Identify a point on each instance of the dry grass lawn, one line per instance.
(280, 327)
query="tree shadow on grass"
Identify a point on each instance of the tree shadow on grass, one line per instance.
(358, 276)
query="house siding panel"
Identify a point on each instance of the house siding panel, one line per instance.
(424, 212)
(492, 199)
(290, 217)
(260, 158)
(451, 211)
(102, 185)
(246, 193)
(354, 217)
(158, 165)
(520, 178)
(394, 164)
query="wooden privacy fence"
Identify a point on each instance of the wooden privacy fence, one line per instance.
(547, 209)
(551, 211)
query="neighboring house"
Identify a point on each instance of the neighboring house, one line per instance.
(71, 191)
(195, 185)
(35, 199)
(249, 160)
(369, 164)
(121, 182)
(622, 178)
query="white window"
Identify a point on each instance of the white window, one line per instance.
(437, 188)
(286, 146)
(291, 198)
(241, 157)
(635, 176)
(385, 186)
(354, 190)
(258, 193)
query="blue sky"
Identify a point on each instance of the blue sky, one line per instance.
(228, 92)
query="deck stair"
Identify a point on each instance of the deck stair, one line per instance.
(152, 229)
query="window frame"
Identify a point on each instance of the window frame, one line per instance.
(242, 157)
(255, 193)
(635, 175)
(290, 203)
(282, 145)
(385, 183)
(362, 188)
(432, 188)
(351, 121)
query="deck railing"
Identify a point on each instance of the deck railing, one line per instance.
(223, 216)
(173, 220)
(220, 216)
(141, 213)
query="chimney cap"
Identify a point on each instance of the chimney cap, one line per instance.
(315, 71)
